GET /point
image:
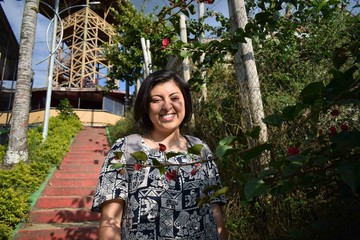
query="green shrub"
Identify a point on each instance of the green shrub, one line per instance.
(18, 183)
(123, 127)
(65, 109)
(2, 152)
(56, 145)
(13, 207)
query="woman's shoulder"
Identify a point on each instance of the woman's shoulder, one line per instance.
(194, 140)
(129, 141)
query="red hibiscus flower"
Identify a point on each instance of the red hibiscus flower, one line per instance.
(165, 42)
(171, 175)
(332, 130)
(334, 113)
(293, 151)
(138, 166)
(344, 127)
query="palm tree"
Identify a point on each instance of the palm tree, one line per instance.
(18, 149)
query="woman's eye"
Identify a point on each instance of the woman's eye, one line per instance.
(156, 100)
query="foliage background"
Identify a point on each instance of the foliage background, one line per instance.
(307, 55)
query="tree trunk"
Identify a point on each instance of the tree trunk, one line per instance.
(17, 148)
(246, 69)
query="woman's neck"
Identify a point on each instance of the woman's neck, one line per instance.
(173, 141)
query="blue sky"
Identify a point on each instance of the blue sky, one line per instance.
(14, 11)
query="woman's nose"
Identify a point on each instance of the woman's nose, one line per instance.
(167, 105)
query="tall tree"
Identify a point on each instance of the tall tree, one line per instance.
(18, 149)
(246, 68)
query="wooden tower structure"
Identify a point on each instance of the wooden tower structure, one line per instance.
(86, 27)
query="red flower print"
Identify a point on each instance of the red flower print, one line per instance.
(344, 127)
(334, 113)
(138, 166)
(332, 130)
(162, 147)
(293, 151)
(171, 175)
(194, 171)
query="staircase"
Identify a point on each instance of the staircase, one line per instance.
(62, 212)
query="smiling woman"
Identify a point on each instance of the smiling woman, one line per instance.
(156, 196)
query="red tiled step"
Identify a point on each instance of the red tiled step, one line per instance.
(80, 182)
(64, 231)
(88, 161)
(74, 152)
(82, 160)
(83, 155)
(69, 191)
(81, 170)
(47, 202)
(75, 174)
(63, 216)
(81, 167)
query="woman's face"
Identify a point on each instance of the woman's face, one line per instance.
(167, 107)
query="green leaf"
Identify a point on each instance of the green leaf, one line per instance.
(192, 9)
(227, 140)
(255, 187)
(185, 12)
(255, 151)
(185, 53)
(273, 120)
(196, 149)
(118, 155)
(254, 133)
(220, 192)
(283, 187)
(172, 154)
(210, 188)
(290, 113)
(296, 162)
(203, 200)
(316, 109)
(320, 161)
(311, 92)
(267, 172)
(117, 165)
(346, 140)
(350, 173)
(223, 150)
(159, 166)
(140, 156)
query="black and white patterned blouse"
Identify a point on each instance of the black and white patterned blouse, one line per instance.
(157, 205)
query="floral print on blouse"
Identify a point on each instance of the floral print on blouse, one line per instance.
(158, 206)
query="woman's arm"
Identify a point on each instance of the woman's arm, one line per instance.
(220, 221)
(110, 221)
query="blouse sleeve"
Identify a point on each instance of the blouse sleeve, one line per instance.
(214, 178)
(112, 183)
